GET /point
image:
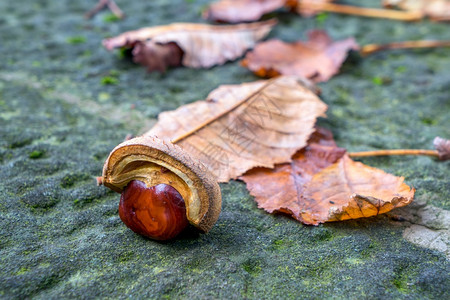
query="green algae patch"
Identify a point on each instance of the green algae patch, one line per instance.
(109, 80)
(36, 154)
(110, 18)
(76, 40)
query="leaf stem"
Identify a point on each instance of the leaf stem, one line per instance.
(361, 11)
(395, 152)
(372, 48)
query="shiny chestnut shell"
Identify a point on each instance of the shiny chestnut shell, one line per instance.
(157, 212)
(153, 162)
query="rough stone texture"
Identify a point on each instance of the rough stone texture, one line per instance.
(61, 236)
(430, 228)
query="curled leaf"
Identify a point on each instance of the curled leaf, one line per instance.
(243, 126)
(202, 45)
(322, 184)
(438, 10)
(235, 11)
(319, 58)
(157, 56)
(443, 148)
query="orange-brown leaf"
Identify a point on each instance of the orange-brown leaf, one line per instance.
(438, 10)
(319, 58)
(322, 184)
(235, 11)
(240, 127)
(202, 45)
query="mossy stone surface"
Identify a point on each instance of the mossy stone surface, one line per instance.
(65, 102)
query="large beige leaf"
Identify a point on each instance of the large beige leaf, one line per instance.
(235, 11)
(243, 126)
(202, 45)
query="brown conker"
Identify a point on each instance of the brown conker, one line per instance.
(158, 212)
(163, 188)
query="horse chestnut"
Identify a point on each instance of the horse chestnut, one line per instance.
(163, 189)
(157, 212)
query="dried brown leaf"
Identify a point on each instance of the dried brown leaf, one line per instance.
(202, 45)
(157, 57)
(243, 126)
(438, 10)
(319, 58)
(322, 184)
(235, 11)
(443, 148)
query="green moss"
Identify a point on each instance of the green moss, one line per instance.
(36, 63)
(110, 18)
(401, 69)
(252, 266)
(71, 179)
(321, 18)
(86, 53)
(19, 143)
(429, 121)
(109, 80)
(76, 40)
(126, 256)
(103, 97)
(123, 52)
(281, 244)
(401, 281)
(22, 270)
(377, 80)
(36, 154)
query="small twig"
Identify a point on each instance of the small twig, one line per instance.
(115, 9)
(433, 153)
(101, 4)
(372, 48)
(361, 11)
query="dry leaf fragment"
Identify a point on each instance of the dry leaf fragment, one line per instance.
(202, 45)
(319, 58)
(235, 11)
(443, 148)
(157, 57)
(322, 184)
(438, 10)
(243, 126)
(280, 189)
(355, 191)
